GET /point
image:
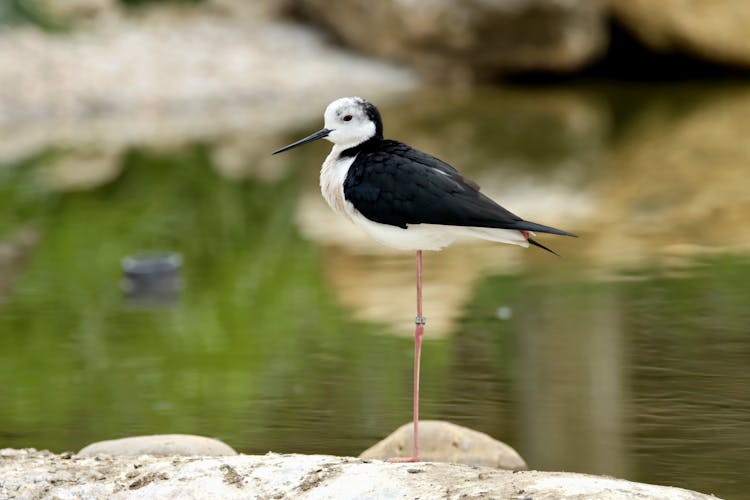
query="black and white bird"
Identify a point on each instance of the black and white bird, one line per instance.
(406, 199)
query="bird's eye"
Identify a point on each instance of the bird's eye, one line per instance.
(347, 118)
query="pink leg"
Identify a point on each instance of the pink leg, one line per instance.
(418, 333)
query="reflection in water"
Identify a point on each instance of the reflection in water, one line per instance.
(676, 184)
(382, 288)
(576, 340)
(689, 354)
(14, 249)
(628, 357)
(644, 378)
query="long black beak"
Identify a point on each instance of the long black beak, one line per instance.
(313, 137)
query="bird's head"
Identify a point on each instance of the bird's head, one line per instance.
(349, 121)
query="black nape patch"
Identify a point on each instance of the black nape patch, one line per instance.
(374, 115)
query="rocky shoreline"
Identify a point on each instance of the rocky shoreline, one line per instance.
(33, 474)
(458, 463)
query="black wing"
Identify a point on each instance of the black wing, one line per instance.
(392, 183)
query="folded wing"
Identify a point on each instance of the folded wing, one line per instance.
(398, 185)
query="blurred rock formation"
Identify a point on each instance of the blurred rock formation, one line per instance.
(171, 74)
(471, 39)
(714, 30)
(466, 41)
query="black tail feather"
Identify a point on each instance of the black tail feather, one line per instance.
(537, 244)
(525, 225)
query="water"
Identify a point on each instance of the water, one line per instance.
(292, 333)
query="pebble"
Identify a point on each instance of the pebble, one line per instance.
(159, 444)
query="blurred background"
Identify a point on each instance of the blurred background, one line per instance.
(146, 126)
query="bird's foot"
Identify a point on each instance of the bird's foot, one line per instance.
(401, 460)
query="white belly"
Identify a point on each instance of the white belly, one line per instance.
(432, 236)
(415, 236)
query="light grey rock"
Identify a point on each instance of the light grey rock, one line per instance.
(446, 442)
(472, 38)
(715, 30)
(124, 81)
(34, 474)
(159, 444)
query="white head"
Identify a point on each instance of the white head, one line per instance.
(349, 121)
(352, 121)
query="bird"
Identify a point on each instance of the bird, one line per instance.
(408, 200)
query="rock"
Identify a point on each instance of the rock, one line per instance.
(470, 39)
(126, 81)
(715, 30)
(159, 444)
(446, 442)
(33, 474)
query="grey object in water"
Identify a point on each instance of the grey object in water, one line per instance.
(152, 277)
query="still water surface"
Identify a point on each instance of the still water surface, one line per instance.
(628, 357)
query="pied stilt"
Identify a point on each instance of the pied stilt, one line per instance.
(406, 199)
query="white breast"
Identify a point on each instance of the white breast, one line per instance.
(332, 177)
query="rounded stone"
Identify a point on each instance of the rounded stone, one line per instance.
(441, 441)
(161, 445)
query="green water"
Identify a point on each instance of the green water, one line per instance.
(629, 359)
